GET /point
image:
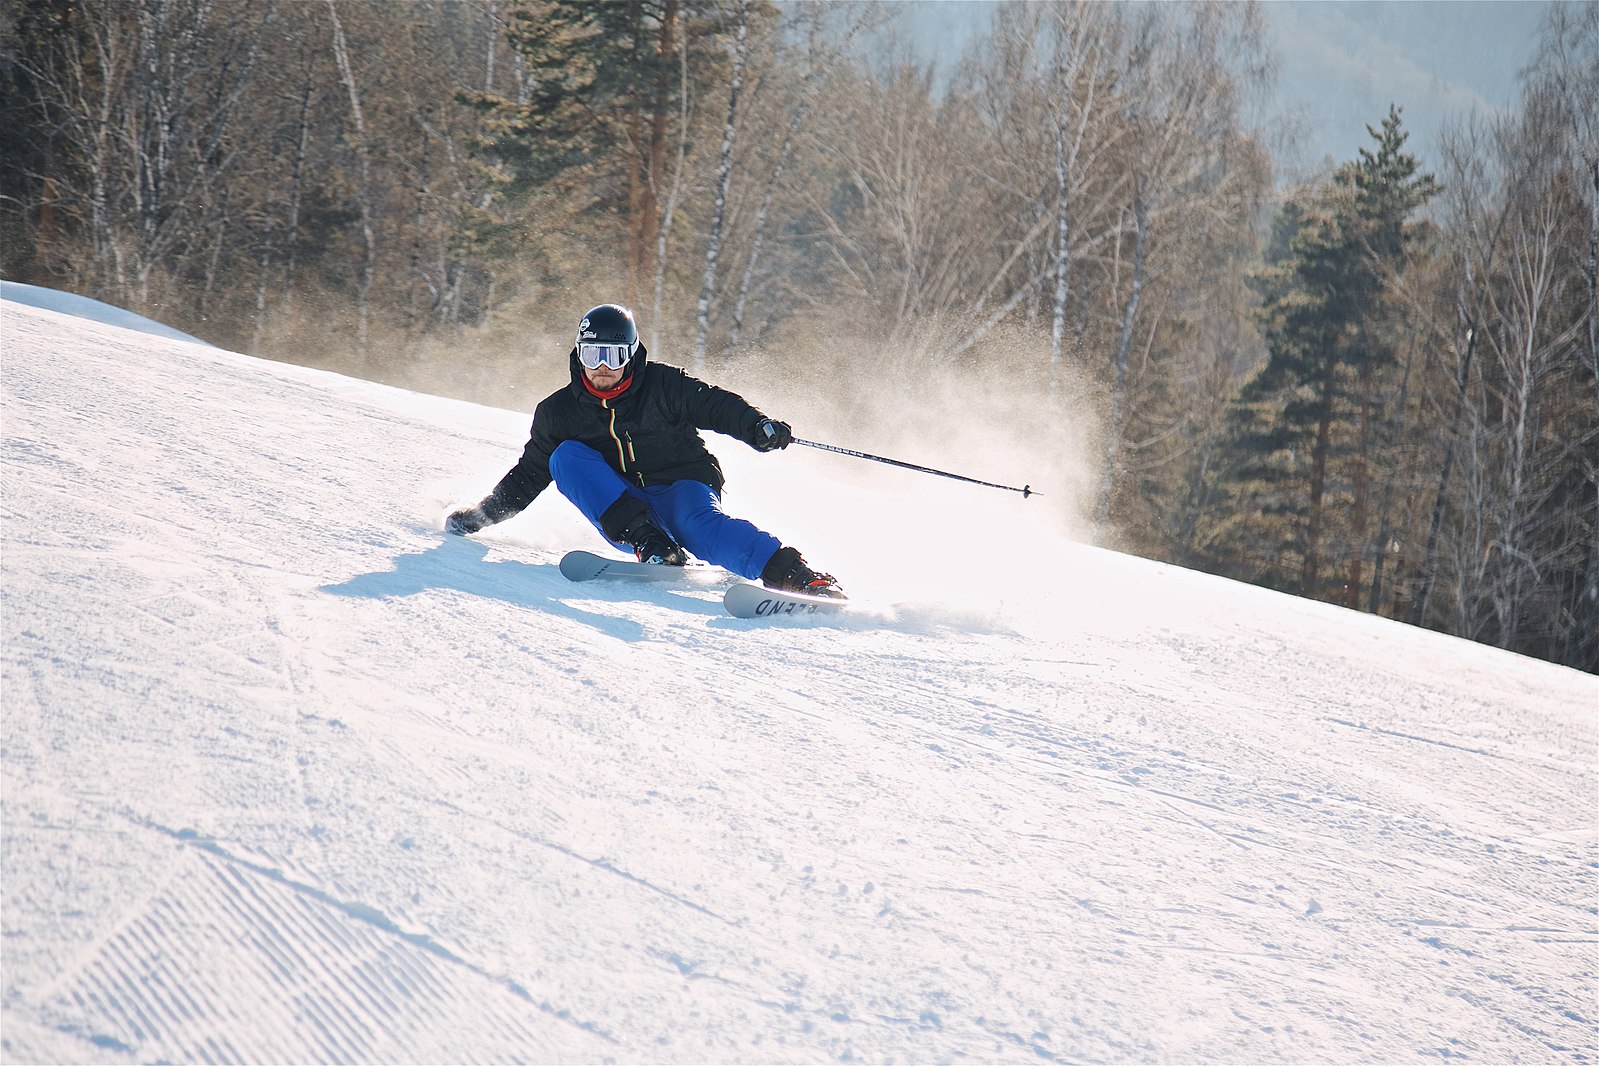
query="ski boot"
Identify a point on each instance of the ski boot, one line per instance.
(652, 545)
(787, 572)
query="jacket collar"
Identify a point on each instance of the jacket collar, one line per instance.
(584, 391)
(608, 394)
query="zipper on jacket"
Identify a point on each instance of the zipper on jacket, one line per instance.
(624, 451)
(621, 450)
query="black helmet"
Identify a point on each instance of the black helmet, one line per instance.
(607, 337)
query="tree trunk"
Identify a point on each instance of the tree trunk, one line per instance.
(291, 255)
(672, 198)
(417, 319)
(214, 263)
(1118, 401)
(1359, 513)
(723, 177)
(1395, 429)
(1588, 618)
(651, 238)
(263, 266)
(369, 255)
(493, 20)
(1063, 262)
(1083, 53)
(1310, 565)
(1593, 278)
(794, 122)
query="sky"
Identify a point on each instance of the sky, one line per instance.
(289, 775)
(1341, 62)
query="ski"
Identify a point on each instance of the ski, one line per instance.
(745, 600)
(742, 600)
(586, 566)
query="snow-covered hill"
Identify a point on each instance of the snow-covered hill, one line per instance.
(288, 775)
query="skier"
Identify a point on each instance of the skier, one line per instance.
(621, 442)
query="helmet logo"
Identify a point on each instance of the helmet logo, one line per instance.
(608, 323)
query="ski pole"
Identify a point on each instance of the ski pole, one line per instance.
(1025, 490)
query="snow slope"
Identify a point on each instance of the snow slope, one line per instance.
(86, 308)
(288, 775)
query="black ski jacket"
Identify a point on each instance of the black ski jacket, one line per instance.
(648, 434)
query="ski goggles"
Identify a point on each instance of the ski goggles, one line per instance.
(594, 356)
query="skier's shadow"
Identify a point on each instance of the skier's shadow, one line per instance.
(463, 565)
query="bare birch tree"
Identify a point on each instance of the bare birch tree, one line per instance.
(368, 268)
(147, 94)
(1196, 174)
(1511, 537)
(1083, 43)
(673, 197)
(812, 17)
(713, 245)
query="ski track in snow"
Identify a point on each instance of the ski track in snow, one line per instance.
(291, 776)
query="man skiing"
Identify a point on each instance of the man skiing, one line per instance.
(621, 442)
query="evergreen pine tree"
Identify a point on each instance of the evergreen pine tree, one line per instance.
(1296, 485)
(597, 107)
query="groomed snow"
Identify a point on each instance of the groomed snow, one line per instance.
(289, 775)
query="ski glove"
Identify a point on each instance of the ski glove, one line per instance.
(770, 435)
(466, 521)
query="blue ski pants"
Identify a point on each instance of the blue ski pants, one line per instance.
(690, 511)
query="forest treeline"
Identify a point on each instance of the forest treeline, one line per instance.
(1377, 387)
